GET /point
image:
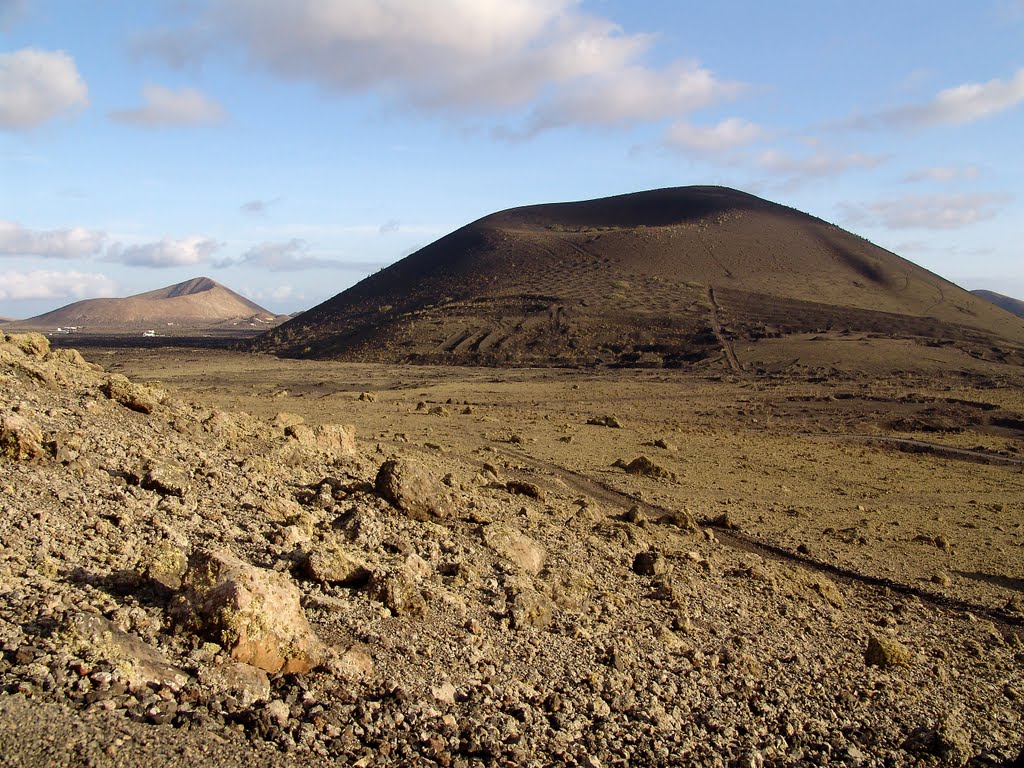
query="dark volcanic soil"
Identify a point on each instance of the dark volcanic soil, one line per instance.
(658, 279)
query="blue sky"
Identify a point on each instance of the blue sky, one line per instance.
(289, 149)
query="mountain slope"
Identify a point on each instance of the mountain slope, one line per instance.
(1011, 305)
(660, 277)
(199, 302)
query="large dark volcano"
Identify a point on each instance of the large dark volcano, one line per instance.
(656, 278)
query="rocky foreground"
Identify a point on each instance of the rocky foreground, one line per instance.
(184, 586)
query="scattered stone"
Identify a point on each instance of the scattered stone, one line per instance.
(412, 489)
(397, 589)
(333, 564)
(353, 664)
(166, 478)
(528, 608)
(278, 713)
(525, 489)
(284, 419)
(649, 564)
(948, 741)
(664, 445)
(683, 520)
(438, 410)
(136, 397)
(725, 521)
(515, 546)
(247, 683)
(942, 579)
(252, 612)
(606, 421)
(643, 465)
(97, 639)
(368, 397)
(885, 652)
(166, 564)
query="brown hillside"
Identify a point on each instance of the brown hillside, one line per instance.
(652, 278)
(1011, 305)
(197, 303)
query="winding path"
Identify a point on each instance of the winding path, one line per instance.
(716, 326)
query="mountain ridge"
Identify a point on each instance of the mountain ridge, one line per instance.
(198, 302)
(1010, 304)
(665, 276)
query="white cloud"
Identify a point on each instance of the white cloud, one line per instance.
(391, 225)
(186, 252)
(944, 174)
(43, 284)
(164, 106)
(16, 240)
(288, 256)
(36, 86)
(924, 211)
(728, 134)
(546, 56)
(794, 170)
(961, 104)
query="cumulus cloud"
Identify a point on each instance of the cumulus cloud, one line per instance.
(966, 103)
(391, 225)
(728, 134)
(165, 106)
(43, 284)
(924, 211)
(186, 252)
(944, 174)
(37, 86)
(16, 240)
(287, 256)
(794, 170)
(546, 56)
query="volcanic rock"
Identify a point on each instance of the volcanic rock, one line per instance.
(411, 488)
(253, 612)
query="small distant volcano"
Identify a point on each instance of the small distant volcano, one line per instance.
(1011, 305)
(194, 304)
(659, 278)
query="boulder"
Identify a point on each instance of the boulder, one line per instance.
(334, 440)
(32, 344)
(515, 546)
(136, 397)
(252, 612)
(20, 439)
(410, 488)
(885, 652)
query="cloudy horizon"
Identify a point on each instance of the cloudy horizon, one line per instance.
(288, 150)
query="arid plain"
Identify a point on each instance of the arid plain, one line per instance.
(702, 481)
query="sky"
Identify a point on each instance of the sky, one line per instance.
(290, 149)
